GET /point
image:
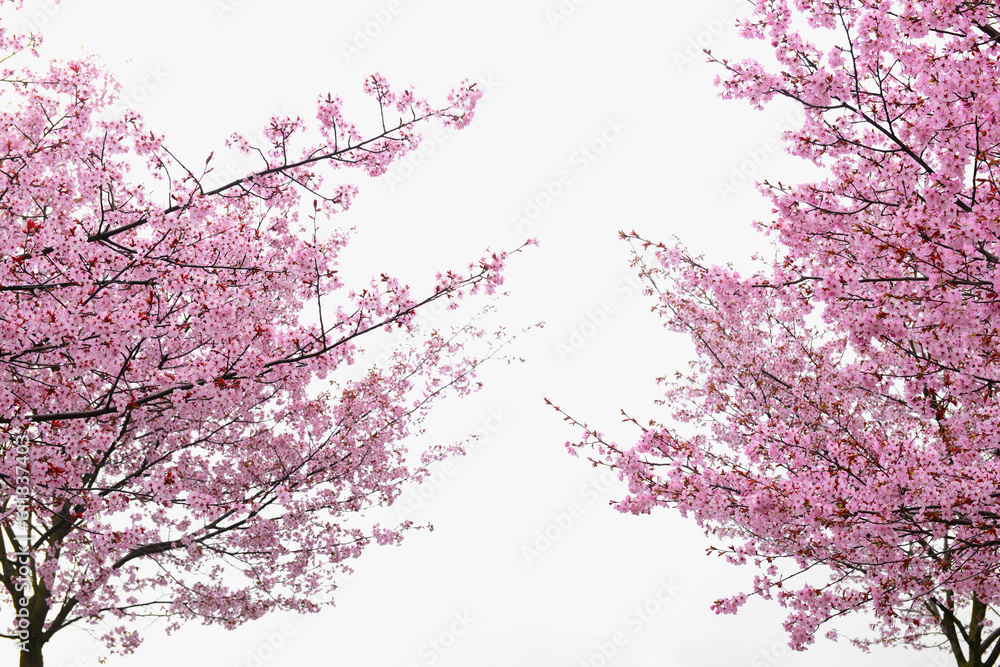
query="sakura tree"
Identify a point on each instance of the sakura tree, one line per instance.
(180, 438)
(840, 427)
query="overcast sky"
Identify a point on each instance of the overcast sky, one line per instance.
(599, 116)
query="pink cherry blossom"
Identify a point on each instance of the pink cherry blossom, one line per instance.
(170, 450)
(839, 427)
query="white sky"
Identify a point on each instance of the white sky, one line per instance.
(631, 69)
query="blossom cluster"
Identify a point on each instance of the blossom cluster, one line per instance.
(839, 426)
(159, 363)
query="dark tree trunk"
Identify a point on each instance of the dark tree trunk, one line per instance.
(33, 656)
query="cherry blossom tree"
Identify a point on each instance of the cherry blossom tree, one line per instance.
(180, 436)
(840, 426)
